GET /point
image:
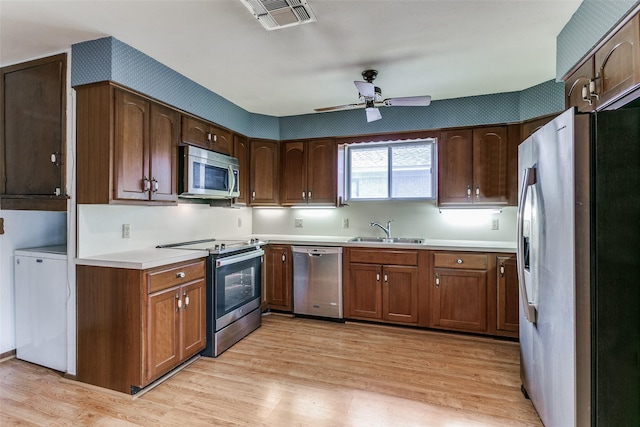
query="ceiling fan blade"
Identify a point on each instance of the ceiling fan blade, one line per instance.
(368, 90)
(339, 107)
(373, 114)
(408, 101)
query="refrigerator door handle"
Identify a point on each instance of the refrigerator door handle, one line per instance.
(528, 180)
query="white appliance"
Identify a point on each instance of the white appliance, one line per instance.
(579, 269)
(41, 306)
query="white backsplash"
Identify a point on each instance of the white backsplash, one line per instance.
(410, 219)
(100, 226)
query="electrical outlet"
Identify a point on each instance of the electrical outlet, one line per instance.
(239, 222)
(345, 222)
(298, 222)
(495, 224)
(126, 231)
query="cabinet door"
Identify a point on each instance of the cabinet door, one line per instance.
(264, 172)
(490, 165)
(221, 140)
(131, 147)
(195, 132)
(507, 304)
(455, 167)
(241, 152)
(574, 95)
(33, 121)
(400, 294)
(163, 332)
(294, 173)
(193, 319)
(365, 291)
(162, 156)
(278, 277)
(322, 172)
(618, 62)
(460, 299)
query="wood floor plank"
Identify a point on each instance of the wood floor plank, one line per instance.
(299, 372)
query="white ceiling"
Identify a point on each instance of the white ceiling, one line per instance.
(443, 48)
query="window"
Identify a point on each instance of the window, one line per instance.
(393, 170)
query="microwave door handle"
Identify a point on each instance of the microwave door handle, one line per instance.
(529, 309)
(232, 179)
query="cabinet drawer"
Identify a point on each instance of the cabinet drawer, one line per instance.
(174, 275)
(460, 260)
(377, 256)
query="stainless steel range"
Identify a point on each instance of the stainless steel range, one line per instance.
(234, 277)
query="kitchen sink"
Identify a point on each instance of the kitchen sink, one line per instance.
(399, 240)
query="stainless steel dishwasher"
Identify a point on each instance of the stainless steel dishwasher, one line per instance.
(317, 281)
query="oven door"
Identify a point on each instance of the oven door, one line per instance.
(236, 281)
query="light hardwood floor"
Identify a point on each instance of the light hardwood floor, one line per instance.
(299, 372)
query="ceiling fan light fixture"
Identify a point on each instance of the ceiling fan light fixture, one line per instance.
(373, 114)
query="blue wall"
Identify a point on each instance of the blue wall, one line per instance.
(111, 59)
(587, 26)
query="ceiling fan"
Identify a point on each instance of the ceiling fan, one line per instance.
(371, 98)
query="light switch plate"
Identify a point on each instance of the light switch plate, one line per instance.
(298, 222)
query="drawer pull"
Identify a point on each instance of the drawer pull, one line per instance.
(180, 275)
(459, 261)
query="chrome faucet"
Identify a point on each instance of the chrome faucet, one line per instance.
(387, 229)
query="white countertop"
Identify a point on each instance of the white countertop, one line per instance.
(142, 259)
(433, 244)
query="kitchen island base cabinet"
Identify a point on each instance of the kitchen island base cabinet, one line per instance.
(136, 325)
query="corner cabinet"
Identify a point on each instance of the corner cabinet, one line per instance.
(309, 173)
(382, 285)
(264, 172)
(473, 167)
(206, 135)
(278, 277)
(136, 325)
(126, 147)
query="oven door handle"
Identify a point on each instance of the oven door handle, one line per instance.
(221, 262)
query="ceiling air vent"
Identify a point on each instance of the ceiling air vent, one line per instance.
(276, 14)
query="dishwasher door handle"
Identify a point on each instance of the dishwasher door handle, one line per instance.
(313, 254)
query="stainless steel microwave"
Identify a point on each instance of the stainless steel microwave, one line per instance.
(205, 174)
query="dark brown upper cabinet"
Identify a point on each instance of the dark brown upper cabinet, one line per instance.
(309, 172)
(33, 136)
(206, 135)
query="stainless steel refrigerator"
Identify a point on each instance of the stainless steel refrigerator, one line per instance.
(579, 268)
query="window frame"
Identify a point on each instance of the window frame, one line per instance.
(349, 148)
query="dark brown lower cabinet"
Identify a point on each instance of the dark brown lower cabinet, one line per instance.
(136, 325)
(375, 291)
(507, 316)
(278, 277)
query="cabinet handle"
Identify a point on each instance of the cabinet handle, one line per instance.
(377, 276)
(585, 94)
(284, 257)
(437, 280)
(309, 194)
(468, 191)
(186, 299)
(459, 261)
(215, 138)
(155, 185)
(592, 89)
(253, 195)
(502, 269)
(55, 158)
(303, 195)
(386, 278)
(477, 191)
(146, 184)
(179, 302)
(180, 275)
(209, 136)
